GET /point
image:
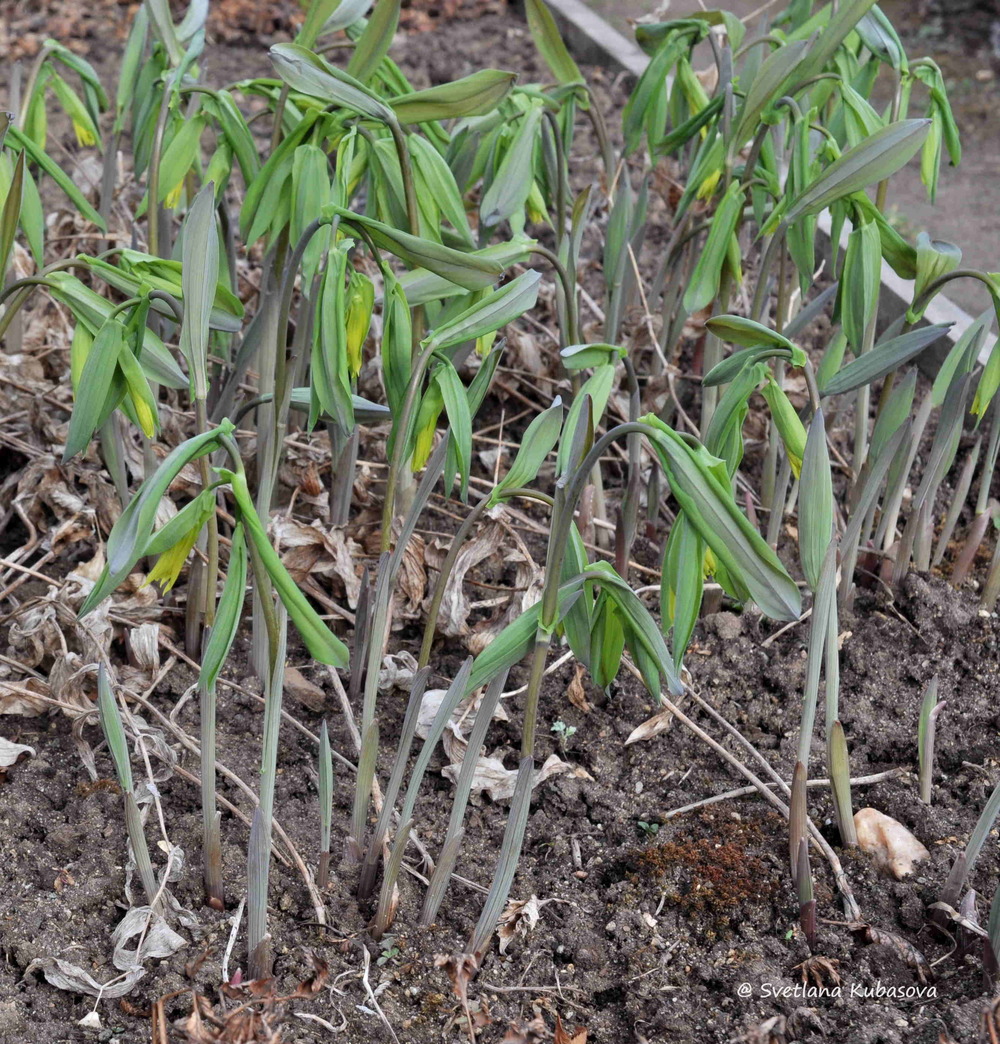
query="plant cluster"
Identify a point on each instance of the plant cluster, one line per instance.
(402, 230)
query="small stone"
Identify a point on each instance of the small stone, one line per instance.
(610, 926)
(891, 845)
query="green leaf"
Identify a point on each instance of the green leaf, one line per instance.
(538, 441)
(860, 282)
(515, 641)
(254, 216)
(815, 502)
(883, 359)
(114, 731)
(474, 95)
(471, 271)
(199, 279)
(178, 158)
(585, 356)
(84, 127)
(607, 641)
(786, 420)
(767, 86)
(649, 88)
(437, 182)
(724, 437)
(131, 62)
(422, 287)
(878, 35)
(703, 288)
(310, 74)
(317, 13)
(143, 401)
(321, 642)
(456, 405)
(989, 381)
(873, 160)
(396, 345)
(710, 506)
(638, 621)
(346, 13)
(734, 329)
(227, 616)
(310, 192)
(595, 392)
(11, 213)
(895, 411)
(58, 175)
(729, 369)
(237, 132)
(91, 310)
(373, 44)
(95, 380)
(508, 191)
(490, 314)
(842, 20)
(551, 47)
(330, 371)
(682, 584)
(963, 355)
(130, 534)
(935, 258)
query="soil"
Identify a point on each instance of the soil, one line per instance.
(652, 928)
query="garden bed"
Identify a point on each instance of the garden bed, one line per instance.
(648, 926)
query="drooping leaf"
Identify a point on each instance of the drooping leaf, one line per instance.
(490, 314)
(308, 73)
(710, 506)
(871, 161)
(94, 384)
(321, 642)
(549, 42)
(883, 359)
(474, 95)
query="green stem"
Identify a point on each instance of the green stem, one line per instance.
(568, 492)
(571, 334)
(153, 202)
(399, 448)
(771, 254)
(406, 170)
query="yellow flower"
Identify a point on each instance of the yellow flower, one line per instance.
(169, 565)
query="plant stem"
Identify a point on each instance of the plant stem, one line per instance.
(400, 444)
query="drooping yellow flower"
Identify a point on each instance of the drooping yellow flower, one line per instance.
(169, 565)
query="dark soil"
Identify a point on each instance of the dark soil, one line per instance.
(683, 929)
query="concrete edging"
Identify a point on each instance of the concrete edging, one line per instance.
(594, 40)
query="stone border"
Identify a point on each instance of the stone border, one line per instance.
(595, 41)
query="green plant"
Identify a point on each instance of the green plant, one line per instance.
(397, 227)
(564, 733)
(114, 734)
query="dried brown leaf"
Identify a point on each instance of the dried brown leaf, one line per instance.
(650, 727)
(518, 919)
(317, 549)
(575, 691)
